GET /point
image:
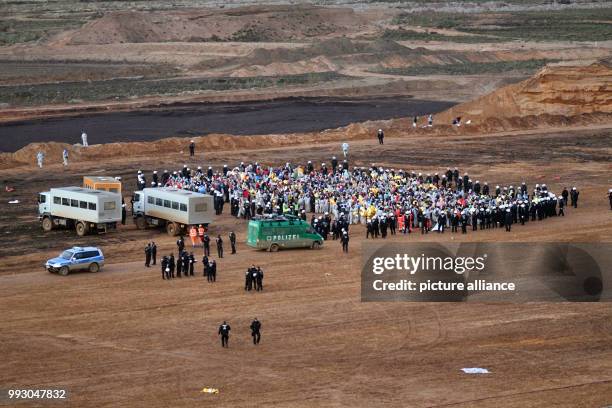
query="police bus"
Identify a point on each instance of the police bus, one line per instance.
(275, 232)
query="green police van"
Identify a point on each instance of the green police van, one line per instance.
(286, 231)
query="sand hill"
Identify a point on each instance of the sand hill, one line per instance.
(255, 23)
(555, 90)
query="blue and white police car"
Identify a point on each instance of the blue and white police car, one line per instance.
(76, 259)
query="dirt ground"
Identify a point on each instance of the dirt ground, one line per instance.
(124, 337)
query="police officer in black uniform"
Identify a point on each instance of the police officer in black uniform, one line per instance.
(508, 220)
(179, 264)
(248, 282)
(574, 197)
(164, 265)
(213, 271)
(185, 259)
(255, 331)
(191, 264)
(205, 263)
(208, 271)
(259, 279)
(153, 253)
(171, 266)
(224, 331)
(206, 243)
(565, 194)
(220, 246)
(180, 243)
(232, 238)
(345, 240)
(147, 255)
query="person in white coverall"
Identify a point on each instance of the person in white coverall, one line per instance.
(40, 156)
(345, 149)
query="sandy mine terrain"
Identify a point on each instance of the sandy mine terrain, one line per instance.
(125, 337)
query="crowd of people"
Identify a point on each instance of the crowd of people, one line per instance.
(385, 200)
(253, 279)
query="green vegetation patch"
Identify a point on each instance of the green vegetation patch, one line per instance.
(411, 35)
(560, 25)
(527, 66)
(119, 89)
(20, 31)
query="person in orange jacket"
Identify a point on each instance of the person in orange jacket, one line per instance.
(201, 232)
(193, 234)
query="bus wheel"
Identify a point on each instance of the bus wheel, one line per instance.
(274, 248)
(47, 224)
(141, 223)
(172, 229)
(316, 245)
(81, 230)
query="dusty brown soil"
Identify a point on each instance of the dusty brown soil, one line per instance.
(125, 337)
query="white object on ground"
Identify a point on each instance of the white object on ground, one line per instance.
(475, 370)
(210, 390)
(14, 202)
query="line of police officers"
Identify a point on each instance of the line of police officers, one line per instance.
(183, 265)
